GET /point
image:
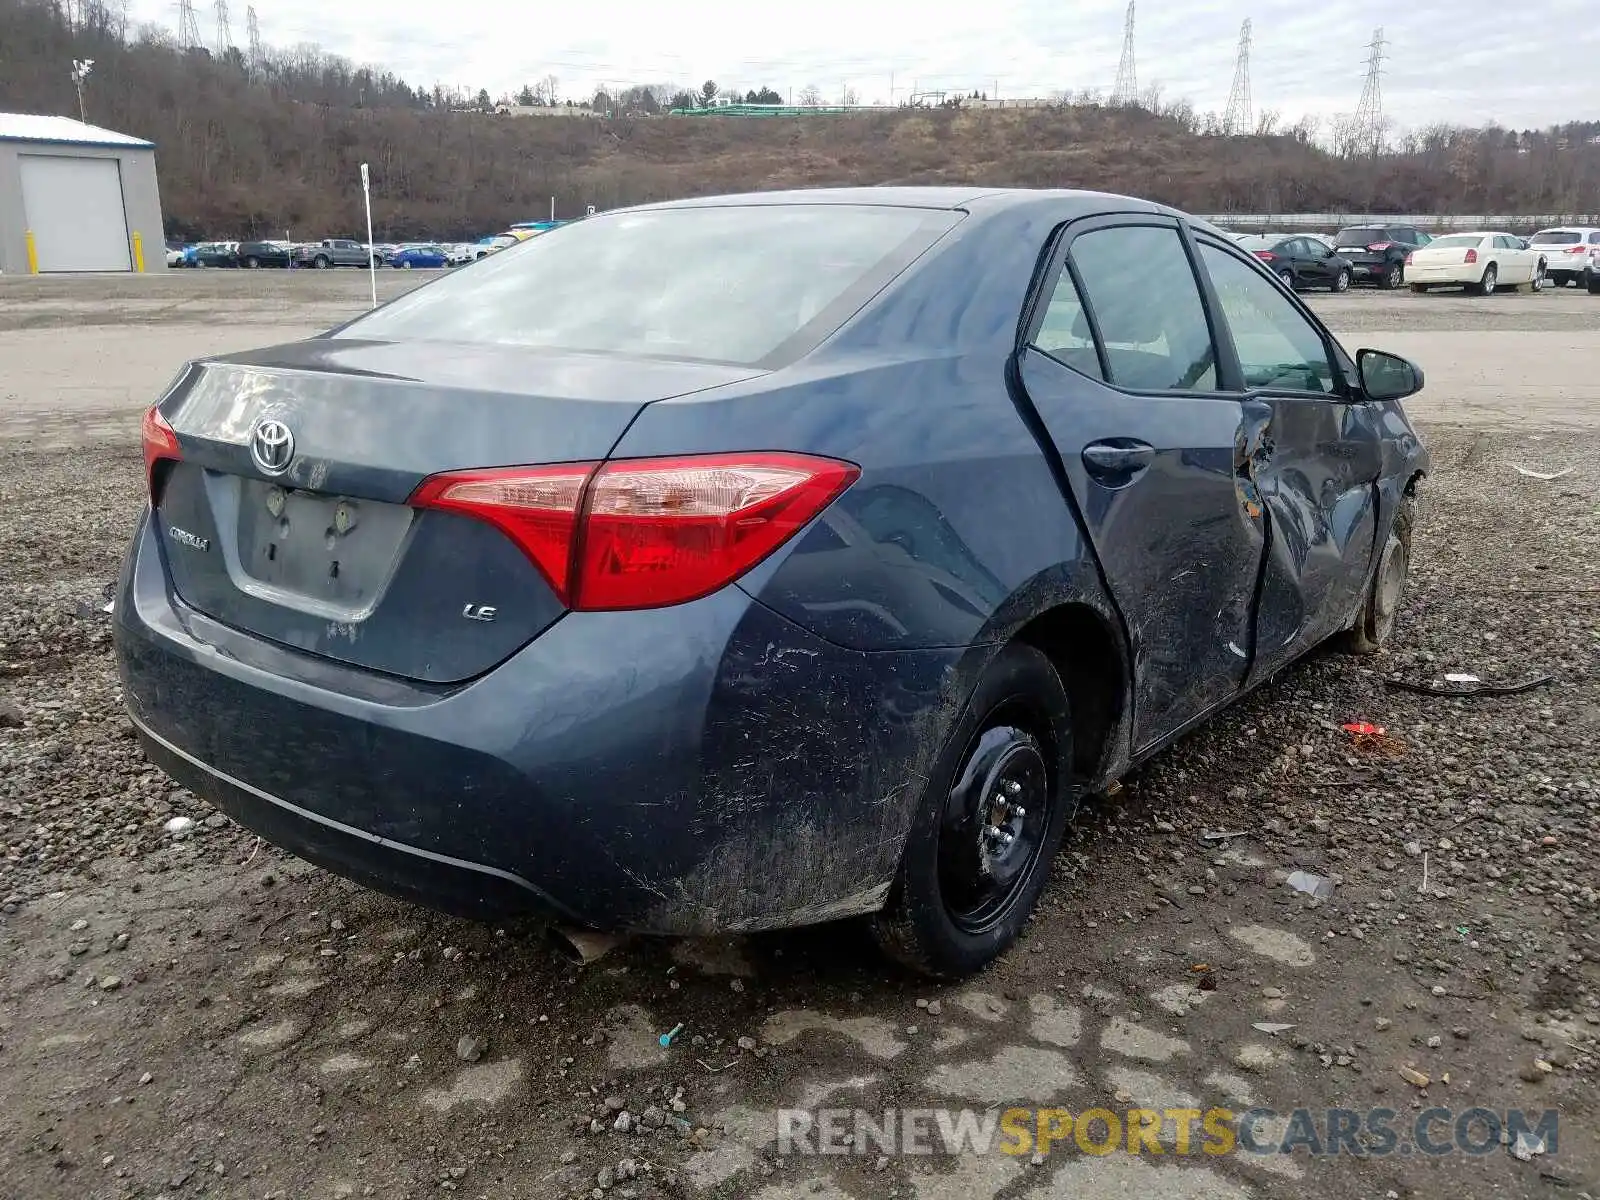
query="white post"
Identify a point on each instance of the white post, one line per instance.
(372, 258)
(552, 208)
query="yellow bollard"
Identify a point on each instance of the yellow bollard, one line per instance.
(138, 252)
(33, 254)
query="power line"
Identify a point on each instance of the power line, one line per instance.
(1126, 90)
(1238, 119)
(1367, 130)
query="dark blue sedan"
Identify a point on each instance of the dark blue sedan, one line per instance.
(428, 257)
(754, 561)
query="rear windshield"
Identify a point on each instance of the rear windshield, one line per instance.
(751, 284)
(1361, 237)
(1556, 237)
(1258, 243)
(1456, 241)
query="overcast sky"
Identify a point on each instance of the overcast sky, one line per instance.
(1464, 61)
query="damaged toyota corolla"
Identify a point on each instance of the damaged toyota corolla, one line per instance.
(747, 562)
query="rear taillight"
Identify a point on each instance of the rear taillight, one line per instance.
(1408, 259)
(1266, 255)
(1379, 247)
(1578, 250)
(1472, 257)
(160, 444)
(645, 533)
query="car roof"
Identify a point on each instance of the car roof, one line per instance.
(946, 198)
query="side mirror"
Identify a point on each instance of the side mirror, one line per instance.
(1386, 376)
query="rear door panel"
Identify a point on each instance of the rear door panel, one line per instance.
(1158, 478)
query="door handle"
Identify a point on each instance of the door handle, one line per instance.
(1117, 457)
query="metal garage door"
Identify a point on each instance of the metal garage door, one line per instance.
(74, 208)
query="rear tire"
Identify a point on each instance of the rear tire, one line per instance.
(1341, 281)
(252, 262)
(1393, 277)
(1287, 279)
(1593, 285)
(406, 266)
(1419, 288)
(1490, 280)
(1374, 625)
(320, 263)
(962, 895)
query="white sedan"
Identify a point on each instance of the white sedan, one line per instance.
(1479, 262)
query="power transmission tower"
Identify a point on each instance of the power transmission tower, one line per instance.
(253, 29)
(224, 33)
(188, 27)
(1366, 134)
(1126, 90)
(1238, 119)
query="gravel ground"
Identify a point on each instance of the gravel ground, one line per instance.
(200, 1015)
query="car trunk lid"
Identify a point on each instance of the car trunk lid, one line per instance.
(326, 555)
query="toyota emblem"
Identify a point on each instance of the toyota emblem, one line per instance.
(271, 446)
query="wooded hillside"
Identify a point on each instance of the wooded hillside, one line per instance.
(272, 147)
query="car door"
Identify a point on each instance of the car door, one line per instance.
(1120, 365)
(1518, 261)
(1316, 463)
(1317, 271)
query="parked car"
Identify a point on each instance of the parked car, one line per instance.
(1480, 262)
(332, 252)
(1300, 261)
(175, 252)
(216, 254)
(419, 256)
(1574, 254)
(252, 255)
(1377, 253)
(830, 599)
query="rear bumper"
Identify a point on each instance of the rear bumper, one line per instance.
(1459, 274)
(704, 768)
(1370, 272)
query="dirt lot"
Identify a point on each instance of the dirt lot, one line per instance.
(202, 1016)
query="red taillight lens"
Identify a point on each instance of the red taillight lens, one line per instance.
(1408, 260)
(1378, 247)
(1472, 256)
(159, 443)
(1578, 250)
(645, 533)
(1266, 255)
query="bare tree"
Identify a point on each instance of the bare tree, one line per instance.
(849, 97)
(811, 96)
(1267, 122)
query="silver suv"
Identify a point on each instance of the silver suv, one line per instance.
(1572, 253)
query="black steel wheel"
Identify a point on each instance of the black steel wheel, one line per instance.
(990, 821)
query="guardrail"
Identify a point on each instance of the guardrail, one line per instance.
(1331, 220)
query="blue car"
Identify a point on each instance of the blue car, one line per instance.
(419, 256)
(749, 562)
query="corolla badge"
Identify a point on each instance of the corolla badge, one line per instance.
(192, 540)
(271, 446)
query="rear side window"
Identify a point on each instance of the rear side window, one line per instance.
(1147, 306)
(1556, 237)
(744, 284)
(1064, 332)
(1594, 239)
